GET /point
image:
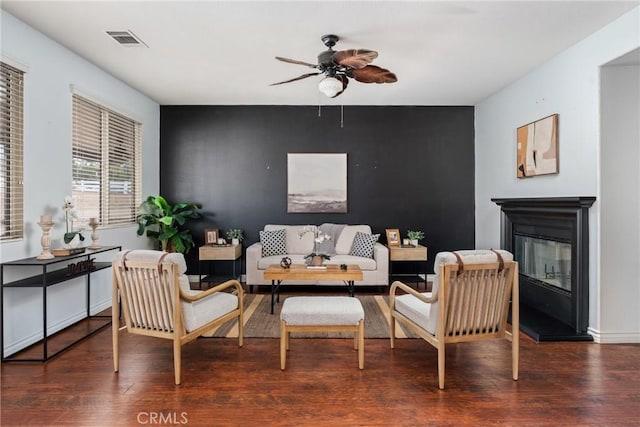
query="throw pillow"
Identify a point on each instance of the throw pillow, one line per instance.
(273, 242)
(363, 244)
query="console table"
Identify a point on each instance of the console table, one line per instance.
(54, 271)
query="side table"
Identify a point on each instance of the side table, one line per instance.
(404, 254)
(214, 253)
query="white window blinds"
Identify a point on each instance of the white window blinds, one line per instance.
(106, 163)
(11, 153)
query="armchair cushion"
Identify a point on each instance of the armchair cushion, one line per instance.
(199, 312)
(363, 244)
(273, 242)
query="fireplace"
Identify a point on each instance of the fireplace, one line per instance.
(549, 237)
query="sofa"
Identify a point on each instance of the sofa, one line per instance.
(299, 242)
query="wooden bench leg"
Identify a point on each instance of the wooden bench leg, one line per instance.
(284, 344)
(360, 335)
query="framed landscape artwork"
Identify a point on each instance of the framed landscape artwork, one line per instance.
(317, 182)
(538, 148)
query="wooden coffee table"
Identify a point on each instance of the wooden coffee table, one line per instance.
(277, 275)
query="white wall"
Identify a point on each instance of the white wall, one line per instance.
(50, 71)
(568, 85)
(620, 203)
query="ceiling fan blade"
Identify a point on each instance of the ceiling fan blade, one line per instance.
(354, 58)
(294, 61)
(374, 74)
(304, 76)
(345, 82)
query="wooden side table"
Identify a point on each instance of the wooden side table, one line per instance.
(214, 253)
(403, 254)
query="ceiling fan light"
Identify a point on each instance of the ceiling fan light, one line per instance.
(330, 86)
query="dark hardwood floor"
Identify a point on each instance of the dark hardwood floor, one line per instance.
(561, 384)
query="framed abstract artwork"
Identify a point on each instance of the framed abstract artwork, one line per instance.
(317, 182)
(537, 148)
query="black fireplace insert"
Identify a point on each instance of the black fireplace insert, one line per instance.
(549, 237)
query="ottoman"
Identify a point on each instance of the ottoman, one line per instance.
(322, 314)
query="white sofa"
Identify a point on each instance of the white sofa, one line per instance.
(375, 270)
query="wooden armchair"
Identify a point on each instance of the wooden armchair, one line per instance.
(470, 301)
(157, 301)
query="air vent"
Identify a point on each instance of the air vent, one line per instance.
(126, 38)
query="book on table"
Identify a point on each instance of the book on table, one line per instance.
(67, 251)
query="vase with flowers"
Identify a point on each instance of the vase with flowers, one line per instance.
(71, 238)
(316, 258)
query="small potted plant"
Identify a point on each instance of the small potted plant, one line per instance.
(235, 235)
(414, 236)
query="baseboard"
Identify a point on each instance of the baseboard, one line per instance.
(615, 337)
(31, 339)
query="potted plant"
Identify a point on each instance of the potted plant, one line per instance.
(165, 222)
(235, 235)
(414, 236)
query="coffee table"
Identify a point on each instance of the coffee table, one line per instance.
(277, 275)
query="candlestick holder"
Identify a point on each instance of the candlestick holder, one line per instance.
(45, 240)
(93, 223)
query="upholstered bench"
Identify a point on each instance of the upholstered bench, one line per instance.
(322, 314)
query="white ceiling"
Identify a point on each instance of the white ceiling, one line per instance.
(222, 52)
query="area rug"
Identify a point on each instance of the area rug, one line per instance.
(260, 323)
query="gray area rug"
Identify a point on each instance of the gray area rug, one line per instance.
(260, 323)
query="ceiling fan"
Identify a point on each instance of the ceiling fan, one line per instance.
(339, 66)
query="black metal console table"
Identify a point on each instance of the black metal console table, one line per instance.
(53, 273)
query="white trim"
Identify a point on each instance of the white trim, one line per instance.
(14, 63)
(615, 337)
(36, 337)
(90, 97)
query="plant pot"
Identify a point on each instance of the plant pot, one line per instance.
(74, 243)
(235, 241)
(414, 243)
(317, 260)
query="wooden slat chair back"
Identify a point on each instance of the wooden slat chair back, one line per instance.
(470, 301)
(152, 291)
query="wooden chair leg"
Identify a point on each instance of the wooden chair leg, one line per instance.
(177, 359)
(240, 329)
(392, 330)
(115, 329)
(441, 366)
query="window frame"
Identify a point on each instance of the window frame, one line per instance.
(118, 139)
(11, 152)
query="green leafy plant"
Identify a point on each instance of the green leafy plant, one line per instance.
(166, 223)
(415, 235)
(235, 233)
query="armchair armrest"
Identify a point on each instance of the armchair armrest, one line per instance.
(399, 285)
(221, 287)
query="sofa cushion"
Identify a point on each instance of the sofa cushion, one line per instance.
(345, 240)
(273, 242)
(297, 241)
(365, 264)
(363, 244)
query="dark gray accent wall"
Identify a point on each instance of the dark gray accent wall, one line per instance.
(408, 167)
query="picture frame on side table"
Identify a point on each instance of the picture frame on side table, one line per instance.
(393, 236)
(211, 236)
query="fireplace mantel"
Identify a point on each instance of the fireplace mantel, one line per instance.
(548, 313)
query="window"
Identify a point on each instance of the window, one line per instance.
(11, 149)
(106, 163)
